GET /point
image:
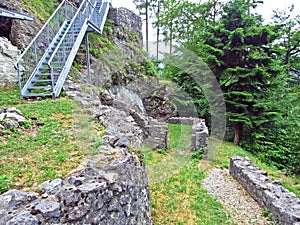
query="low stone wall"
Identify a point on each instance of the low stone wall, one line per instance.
(110, 188)
(155, 133)
(283, 205)
(181, 120)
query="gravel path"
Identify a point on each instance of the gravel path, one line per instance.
(242, 208)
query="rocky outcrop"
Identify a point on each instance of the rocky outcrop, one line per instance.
(19, 32)
(283, 205)
(8, 57)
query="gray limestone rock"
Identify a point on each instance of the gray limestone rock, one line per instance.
(51, 187)
(8, 56)
(14, 198)
(24, 218)
(48, 209)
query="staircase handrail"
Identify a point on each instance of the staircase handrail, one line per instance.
(33, 53)
(104, 16)
(38, 34)
(65, 34)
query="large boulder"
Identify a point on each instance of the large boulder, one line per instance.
(8, 56)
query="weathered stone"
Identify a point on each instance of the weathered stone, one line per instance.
(14, 198)
(24, 218)
(78, 212)
(8, 56)
(9, 123)
(125, 18)
(114, 206)
(13, 116)
(48, 209)
(200, 136)
(51, 187)
(76, 180)
(92, 187)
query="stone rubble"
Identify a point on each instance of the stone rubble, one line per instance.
(11, 118)
(283, 205)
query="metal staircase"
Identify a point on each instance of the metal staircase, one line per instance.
(45, 63)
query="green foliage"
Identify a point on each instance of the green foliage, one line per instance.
(256, 65)
(198, 154)
(35, 7)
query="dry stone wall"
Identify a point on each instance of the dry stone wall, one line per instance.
(283, 205)
(124, 18)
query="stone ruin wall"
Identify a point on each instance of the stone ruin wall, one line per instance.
(283, 205)
(110, 188)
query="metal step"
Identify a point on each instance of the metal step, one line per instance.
(27, 95)
(48, 87)
(41, 81)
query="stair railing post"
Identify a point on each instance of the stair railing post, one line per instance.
(48, 35)
(88, 56)
(20, 80)
(35, 54)
(52, 81)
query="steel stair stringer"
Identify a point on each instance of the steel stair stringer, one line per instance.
(68, 64)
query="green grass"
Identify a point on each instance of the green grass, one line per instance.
(182, 200)
(58, 135)
(177, 196)
(47, 6)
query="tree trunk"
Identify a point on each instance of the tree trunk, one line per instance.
(157, 31)
(147, 26)
(238, 132)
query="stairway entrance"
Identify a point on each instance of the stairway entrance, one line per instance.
(45, 63)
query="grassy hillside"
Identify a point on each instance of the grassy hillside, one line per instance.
(35, 7)
(57, 136)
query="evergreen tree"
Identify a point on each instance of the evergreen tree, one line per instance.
(238, 53)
